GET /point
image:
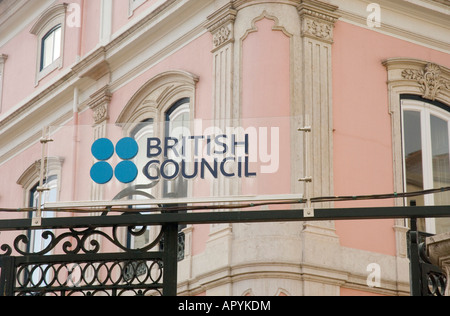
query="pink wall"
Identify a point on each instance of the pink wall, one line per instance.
(362, 137)
(266, 94)
(121, 13)
(91, 25)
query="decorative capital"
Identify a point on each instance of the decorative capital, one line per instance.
(318, 19)
(430, 79)
(99, 104)
(221, 26)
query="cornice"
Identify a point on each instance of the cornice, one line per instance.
(407, 20)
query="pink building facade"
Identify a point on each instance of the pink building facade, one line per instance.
(371, 80)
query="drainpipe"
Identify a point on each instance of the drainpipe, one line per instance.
(75, 141)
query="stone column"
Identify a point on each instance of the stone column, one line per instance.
(438, 250)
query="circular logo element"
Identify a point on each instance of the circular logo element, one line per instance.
(127, 148)
(126, 172)
(102, 149)
(102, 172)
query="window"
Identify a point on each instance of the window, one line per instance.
(37, 242)
(49, 32)
(159, 108)
(51, 47)
(426, 130)
(177, 124)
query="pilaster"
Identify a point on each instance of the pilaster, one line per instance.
(317, 23)
(221, 26)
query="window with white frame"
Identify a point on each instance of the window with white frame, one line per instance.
(49, 32)
(51, 47)
(426, 147)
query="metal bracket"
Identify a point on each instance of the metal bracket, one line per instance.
(36, 222)
(306, 129)
(306, 179)
(308, 212)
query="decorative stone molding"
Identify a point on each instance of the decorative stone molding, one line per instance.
(221, 26)
(30, 177)
(55, 12)
(424, 78)
(431, 80)
(438, 250)
(99, 102)
(157, 95)
(318, 19)
(417, 77)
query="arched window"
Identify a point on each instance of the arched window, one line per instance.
(426, 148)
(50, 195)
(51, 47)
(49, 31)
(176, 125)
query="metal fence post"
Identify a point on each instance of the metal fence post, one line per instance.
(7, 276)
(414, 260)
(170, 278)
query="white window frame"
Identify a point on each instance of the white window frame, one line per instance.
(48, 21)
(52, 47)
(426, 110)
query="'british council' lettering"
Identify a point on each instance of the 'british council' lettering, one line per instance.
(212, 155)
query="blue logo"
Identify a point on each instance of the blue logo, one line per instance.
(126, 171)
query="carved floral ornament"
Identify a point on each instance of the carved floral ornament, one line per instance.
(222, 35)
(318, 29)
(430, 79)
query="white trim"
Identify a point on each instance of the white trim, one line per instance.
(133, 5)
(106, 17)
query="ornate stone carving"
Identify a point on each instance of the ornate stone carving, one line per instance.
(430, 79)
(99, 104)
(318, 29)
(318, 20)
(221, 36)
(221, 26)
